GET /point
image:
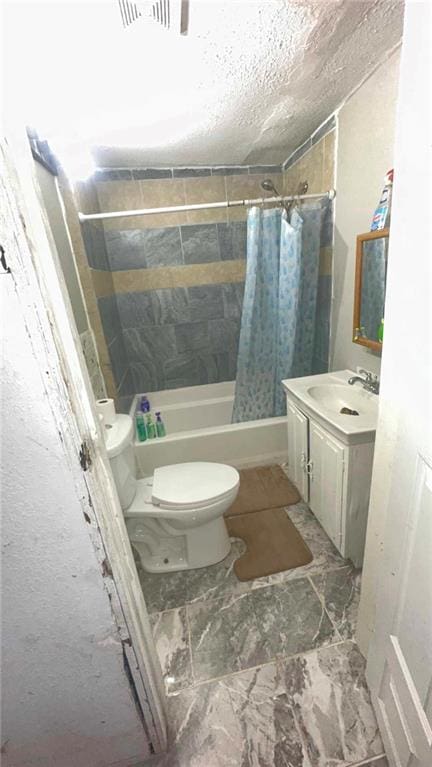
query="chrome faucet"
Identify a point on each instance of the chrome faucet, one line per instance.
(370, 382)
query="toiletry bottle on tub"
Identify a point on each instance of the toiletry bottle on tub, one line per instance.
(151, 428)
(140, 426)
(160, 426)
(144, 404)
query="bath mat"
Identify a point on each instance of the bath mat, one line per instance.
(273, 544)
(263, 487)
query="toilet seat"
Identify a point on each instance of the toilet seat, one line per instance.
(193, 485)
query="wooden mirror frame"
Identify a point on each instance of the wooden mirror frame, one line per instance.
(376, 346)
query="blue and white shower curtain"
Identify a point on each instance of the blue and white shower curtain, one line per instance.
(278, 318)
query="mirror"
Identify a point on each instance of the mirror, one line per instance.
(370, 287)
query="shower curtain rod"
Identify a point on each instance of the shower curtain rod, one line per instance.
(202, 206)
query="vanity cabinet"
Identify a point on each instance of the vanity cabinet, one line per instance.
(333, 478)
(298, 449)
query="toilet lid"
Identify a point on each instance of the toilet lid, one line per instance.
(186, 485)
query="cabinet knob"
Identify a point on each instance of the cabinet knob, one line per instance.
(309, 469)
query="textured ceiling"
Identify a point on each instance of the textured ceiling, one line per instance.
(249, 82)
(252, 79)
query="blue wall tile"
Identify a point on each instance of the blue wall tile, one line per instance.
(181, 370)
(170, 306)
(232, 294)
(192, 336)
(230, 170)
(326, 237)
(232, 240)
(191, 172)
(239, 239)
(125, 249)
(224, 335)
(94, 242)
(118, 358)
(109, 317)
(135, 309)
(162, 247)
(147, 376)
(200, 243)
(149, 173)
(155, 342)
(205, 302)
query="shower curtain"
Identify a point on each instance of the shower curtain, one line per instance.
(278, 317)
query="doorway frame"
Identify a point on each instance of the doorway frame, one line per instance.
(34, 267)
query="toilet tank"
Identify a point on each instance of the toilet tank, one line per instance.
(119, 445)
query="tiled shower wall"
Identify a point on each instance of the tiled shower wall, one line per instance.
(169, 286)
(314, 161)
(171, 315)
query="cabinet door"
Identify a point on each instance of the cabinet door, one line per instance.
(298, 449)
(326, 470)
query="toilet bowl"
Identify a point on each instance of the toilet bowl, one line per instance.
(174, 518)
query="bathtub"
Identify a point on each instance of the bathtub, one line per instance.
(198, 424)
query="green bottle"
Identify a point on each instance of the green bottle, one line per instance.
(140, 427)
(160, 426)
(151, 428)
(381, 331)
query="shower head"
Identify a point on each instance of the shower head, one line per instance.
(269, 186)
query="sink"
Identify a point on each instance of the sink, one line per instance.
(334, 397)
(323, 396)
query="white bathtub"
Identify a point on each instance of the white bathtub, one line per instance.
(199, 428)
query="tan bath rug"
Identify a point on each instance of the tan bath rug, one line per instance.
(264, 487)
(273, 544)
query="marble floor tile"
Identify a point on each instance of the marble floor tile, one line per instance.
(226, 636)
(246, 630)
(203, 730)
(327, 693)
(310, 711)
(340, 592)
(171, 637)
(163, 591)
(265, 742)
(292, 619)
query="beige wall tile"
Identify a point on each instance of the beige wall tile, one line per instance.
(103, 284)
(119, 195)
(137, 280)
(86, 197)
(316, 167)
(329, 160)
(313, 168)
(71, 214)
(248, 188)
(326, 258)
(205, 189)
(162, 193)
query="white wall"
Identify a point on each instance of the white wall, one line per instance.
(66, 698)
(365, 145)
(404, 432)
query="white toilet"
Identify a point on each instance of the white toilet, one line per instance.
(174, 518)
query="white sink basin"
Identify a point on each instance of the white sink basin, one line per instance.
(335, 397)
(323, 396)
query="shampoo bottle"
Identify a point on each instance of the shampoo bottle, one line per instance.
(144, 404)
(160, 426)
(140, 426)
(151, 428)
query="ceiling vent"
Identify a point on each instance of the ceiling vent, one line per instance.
(172, 15)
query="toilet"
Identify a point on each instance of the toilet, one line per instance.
(174, 518)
